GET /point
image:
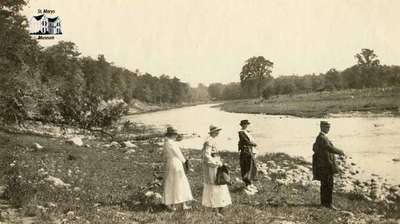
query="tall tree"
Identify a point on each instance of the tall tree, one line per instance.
(255, 74)
(368, 66)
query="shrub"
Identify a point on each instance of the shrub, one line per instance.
(18, 189)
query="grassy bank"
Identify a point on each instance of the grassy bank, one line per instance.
(320, 104)
(63, 183)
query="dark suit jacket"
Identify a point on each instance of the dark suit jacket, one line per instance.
(324, 159)
(245, 145)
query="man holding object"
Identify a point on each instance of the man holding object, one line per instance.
(324, 166)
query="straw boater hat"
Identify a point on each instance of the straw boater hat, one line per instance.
(214, 129)
(244, 122)
(171, 131)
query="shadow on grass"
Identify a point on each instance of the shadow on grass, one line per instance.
(152, 208)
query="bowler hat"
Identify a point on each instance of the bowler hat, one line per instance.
(244, 122)
(214, 129)
(324, 123)
(171, 131)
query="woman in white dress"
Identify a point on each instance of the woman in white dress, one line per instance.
(176, 186)
(214, 196)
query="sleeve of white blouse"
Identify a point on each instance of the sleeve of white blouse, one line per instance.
(177, 152)
(212, 161)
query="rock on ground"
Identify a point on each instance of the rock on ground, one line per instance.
(37, 146)
(128, 144)
(75, 141)
(57, 182)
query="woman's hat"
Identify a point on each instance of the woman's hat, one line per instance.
(244, 122)
(171, 131)
(214, 129)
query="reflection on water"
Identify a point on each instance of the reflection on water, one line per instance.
(372, 143)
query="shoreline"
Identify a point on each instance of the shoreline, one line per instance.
(164, 108)
(120, 182)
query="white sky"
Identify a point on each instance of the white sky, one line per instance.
(208, 41)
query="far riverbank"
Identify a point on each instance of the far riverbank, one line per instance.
(322, 104)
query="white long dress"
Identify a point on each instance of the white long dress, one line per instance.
(176, 185)
(214, 196)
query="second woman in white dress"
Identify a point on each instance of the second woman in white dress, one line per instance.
(214, 196)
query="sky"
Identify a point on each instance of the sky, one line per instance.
(209, 41)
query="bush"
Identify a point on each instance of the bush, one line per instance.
(12, 110)
(18, 189)
(108, 113)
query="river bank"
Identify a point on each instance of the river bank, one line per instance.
(322, 104)
(53, 180)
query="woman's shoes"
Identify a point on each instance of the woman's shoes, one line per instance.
(171, 208)
(220, 215)
(186, 207)
(250, 189)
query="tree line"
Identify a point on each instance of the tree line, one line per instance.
(256, 79)
(58, 84)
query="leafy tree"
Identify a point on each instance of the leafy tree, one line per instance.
(215, 90)
(333, 80)
(232, 91)
(19, 60)
(369, 67)
(255, 73)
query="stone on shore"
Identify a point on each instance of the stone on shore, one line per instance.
(115, 144)
(130, 151)
(75, 141)
(37, 146)
(128, 144)
(57, 182)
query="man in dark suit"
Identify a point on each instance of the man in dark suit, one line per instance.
(248, 166)
(324, 166)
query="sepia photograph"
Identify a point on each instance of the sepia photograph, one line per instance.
(199, 111)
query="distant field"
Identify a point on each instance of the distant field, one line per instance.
(321, 104)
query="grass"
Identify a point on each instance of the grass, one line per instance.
(320, 104)
(107, 185)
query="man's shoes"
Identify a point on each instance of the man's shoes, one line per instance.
(331, 207)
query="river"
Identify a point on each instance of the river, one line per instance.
(370, 142)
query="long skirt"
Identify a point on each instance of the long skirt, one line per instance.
(248, 167)
(216, 196)
(176, 188)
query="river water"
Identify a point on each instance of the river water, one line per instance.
(371, 142)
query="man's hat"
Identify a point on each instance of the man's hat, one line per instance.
(244, 122)
(214, 129)
(171, 131)
(325, 123)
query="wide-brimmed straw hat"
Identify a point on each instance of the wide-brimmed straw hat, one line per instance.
(214, 129)
(171, 131)
(244, 122)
